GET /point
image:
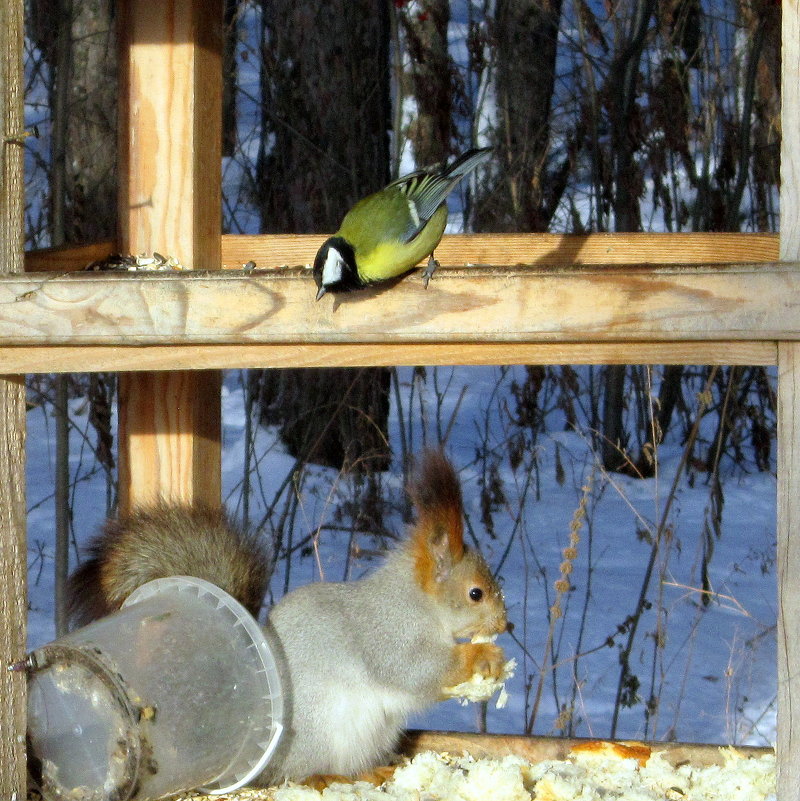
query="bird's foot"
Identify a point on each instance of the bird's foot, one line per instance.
(429, 270)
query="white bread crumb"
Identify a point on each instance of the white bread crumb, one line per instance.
(587, 775)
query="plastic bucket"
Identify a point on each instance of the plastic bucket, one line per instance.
(177, 690)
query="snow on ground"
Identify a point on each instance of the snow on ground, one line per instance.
(710, 668)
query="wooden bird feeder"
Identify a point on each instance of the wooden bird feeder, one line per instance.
(541, 299)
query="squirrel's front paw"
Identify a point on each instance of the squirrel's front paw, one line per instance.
(470, 658)
(479, 671)
(488, 660)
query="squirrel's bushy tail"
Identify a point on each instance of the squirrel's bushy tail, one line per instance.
(85, 599)
(162, 541)
(436, 492)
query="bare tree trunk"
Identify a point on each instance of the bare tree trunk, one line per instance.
(745, 148)
(92, 131)
(766, 134)
(668, 394)
(59, 110)
(528, 186)
(230, 77)
(627, 188)
(614, 440)
(430, 77)
(626, 133)
(62, 506)
(76, 38)
(326, 113)
(528, 189)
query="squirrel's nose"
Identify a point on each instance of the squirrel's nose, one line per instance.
(501, 624)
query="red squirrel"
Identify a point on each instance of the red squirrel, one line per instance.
(356, 658)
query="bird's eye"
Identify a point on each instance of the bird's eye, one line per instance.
(475, 594)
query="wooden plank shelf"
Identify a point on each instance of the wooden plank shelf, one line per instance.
(539, 748)
(579, 304)
(270, 251)
(270, 319)
(132, 358)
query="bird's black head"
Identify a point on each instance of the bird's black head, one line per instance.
(335, 267)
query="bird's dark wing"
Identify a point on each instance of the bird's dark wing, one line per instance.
(426, 190)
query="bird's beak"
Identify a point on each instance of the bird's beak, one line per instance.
(320, 292)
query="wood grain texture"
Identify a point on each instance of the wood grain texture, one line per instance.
(175, 458)
(788, 557)
(538, 749)
(457, 250)
(170, 96)
(13, 547)
(788, 547)
(790, 132)
(788, 745)
(94, 358)
(270, 251)
(67, 258)
(13, 584)
(536, 304)
(170, 202)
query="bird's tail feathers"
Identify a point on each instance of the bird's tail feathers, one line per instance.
(468, 161)
(427, 190)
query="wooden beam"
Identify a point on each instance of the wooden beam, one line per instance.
(271, 251)
(170, 192)
(13, 585)
(67, 258)
(173, 429)
(788, 560)
(788, 535)
(534, 305)
(538, 749)
(13, 550)
(101, 358)
(456, 250)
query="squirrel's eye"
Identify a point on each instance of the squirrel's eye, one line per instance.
(475, 594)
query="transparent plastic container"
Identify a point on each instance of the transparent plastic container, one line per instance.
(177, 690)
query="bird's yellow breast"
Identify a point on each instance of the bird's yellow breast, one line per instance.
(390, 258)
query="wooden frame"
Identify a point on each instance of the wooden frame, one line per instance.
(680, 303)
(592, 305)
(726, 311)
(281, 250)
(13, 551)
(170, 200)
(788, 555)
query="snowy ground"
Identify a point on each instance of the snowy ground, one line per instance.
(712, 668)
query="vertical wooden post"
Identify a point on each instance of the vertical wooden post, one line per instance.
(789, 430)
(13, 552)
(170, 202)
(788, 746)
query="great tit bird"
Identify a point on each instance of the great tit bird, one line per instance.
(389, 232)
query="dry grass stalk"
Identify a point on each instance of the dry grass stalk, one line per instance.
(562, 585)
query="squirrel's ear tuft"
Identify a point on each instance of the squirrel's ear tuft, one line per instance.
(436, 493)
(438, 538)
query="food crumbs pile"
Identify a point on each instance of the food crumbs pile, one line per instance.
(596, 772)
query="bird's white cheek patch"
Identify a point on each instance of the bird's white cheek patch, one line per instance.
(332, 269)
